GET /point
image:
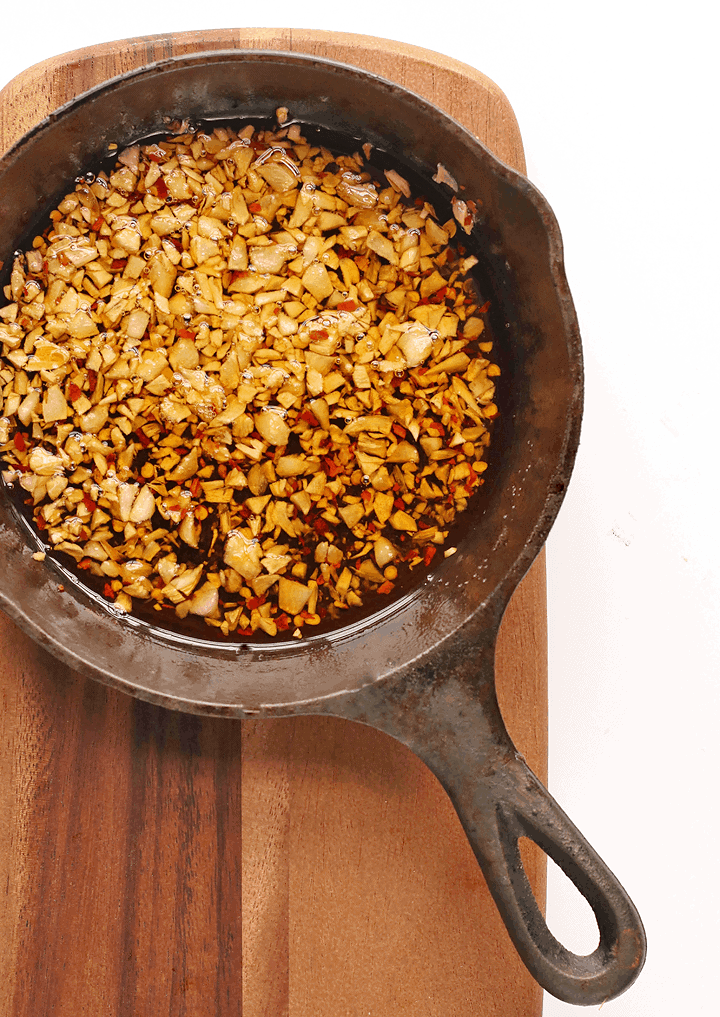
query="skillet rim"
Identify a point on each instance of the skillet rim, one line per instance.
(491, 606)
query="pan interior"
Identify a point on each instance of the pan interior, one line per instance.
(537, 348)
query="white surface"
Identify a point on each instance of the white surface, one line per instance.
(616, 104)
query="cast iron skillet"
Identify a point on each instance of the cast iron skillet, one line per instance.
(422, 668)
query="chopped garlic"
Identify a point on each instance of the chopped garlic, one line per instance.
(243, 382)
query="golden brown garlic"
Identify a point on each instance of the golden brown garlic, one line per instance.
(244, 379)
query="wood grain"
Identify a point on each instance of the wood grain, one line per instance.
(154, 863)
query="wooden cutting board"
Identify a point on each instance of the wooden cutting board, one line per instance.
(154, 863)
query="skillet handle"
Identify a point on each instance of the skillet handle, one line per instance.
(451, 720)
(520, 806)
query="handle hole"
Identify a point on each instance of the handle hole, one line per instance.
(569, 916)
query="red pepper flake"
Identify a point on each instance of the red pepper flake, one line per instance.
(436, 426)
(399, 503)
(161, 188)
(309, 417)
(485, 307)
(142, 437)
(195, 487)
(429, 555)
(255, 602)
(331, 467)
(89, 504)
(19, 442)
(244, 632)
(320, 526)
(386, 587)
(185, 333)
(399, 430)
(108, 592)
(283, 622)
(40, 523)
(319, 333)
(92, 379)
(97, 224)
(347, 305)
(255, 207)
(84, 563)
(118, 263)
(366, 495)
(222, 470)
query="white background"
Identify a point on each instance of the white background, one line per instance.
(617, 107)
